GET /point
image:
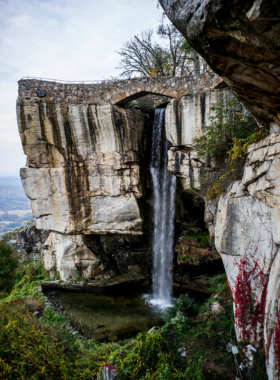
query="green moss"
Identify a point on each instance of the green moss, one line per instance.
(201, 237)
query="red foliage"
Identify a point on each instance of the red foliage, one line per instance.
(109, 366)
(259, 311)
(243, 299)
(249, 312)
(277, 346)
(229, 289)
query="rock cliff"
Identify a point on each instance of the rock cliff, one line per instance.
(240, 41)
(247, 237)
(87, 176)
(185, 119)
(83, 178)
(83, 166)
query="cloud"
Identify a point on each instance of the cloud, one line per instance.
(60, 39)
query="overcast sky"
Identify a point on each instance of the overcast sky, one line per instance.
(60, 39)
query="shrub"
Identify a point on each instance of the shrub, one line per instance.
(31, 350)
(218, 283)
(184, 304)
(227, 123)
(225, 143)
(31, 276)
(150, 357)
(8, 265)
(201, 237)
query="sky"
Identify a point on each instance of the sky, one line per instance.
(60, 39)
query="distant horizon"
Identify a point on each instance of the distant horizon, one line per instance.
(3, 174)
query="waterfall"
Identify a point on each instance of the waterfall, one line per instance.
(164, 186)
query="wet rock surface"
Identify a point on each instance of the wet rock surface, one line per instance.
(196, 263)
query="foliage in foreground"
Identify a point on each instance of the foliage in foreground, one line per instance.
(8, 265)
(29, 348)
(35, 344)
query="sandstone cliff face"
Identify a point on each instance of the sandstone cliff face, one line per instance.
(240, 41)
(83, 177)
(97, 258)
(247, 234)
(87, 176)
(83, 166)
(185, 119)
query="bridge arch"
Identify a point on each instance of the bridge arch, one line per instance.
(140, 94)
(116, 92)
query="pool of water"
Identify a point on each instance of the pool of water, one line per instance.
(108, 317)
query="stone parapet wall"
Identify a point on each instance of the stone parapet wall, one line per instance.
(117, 91)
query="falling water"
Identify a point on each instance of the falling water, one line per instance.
(164, 185)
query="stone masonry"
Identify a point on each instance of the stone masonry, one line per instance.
(117, 92)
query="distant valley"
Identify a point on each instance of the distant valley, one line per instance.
(15, 208)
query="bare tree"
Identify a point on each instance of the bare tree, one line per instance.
(173, 47)
(142, 56)
(174, 57)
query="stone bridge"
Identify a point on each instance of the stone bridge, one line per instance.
(117, 92)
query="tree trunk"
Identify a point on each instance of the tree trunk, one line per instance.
(196, 64)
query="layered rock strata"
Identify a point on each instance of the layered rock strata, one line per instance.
(240, 41)
(196, 263)
(82, 172)
(87, 176)
(185, 120)
(83, 177)
(247, 232)
(96, 258)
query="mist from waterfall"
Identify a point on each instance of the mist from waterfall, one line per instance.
(164, 187)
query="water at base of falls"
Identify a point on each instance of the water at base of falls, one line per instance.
(164, 187)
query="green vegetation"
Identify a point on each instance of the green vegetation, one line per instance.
(36, 344)
(202, 238)
(224, 144)
(8, 265)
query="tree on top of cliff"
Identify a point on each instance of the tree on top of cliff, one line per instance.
(173, 57)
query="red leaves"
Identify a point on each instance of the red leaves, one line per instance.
(277, 346)
(249, 311)
(242, 299)
(109, 366)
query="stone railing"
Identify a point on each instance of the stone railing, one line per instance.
(116, 91)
